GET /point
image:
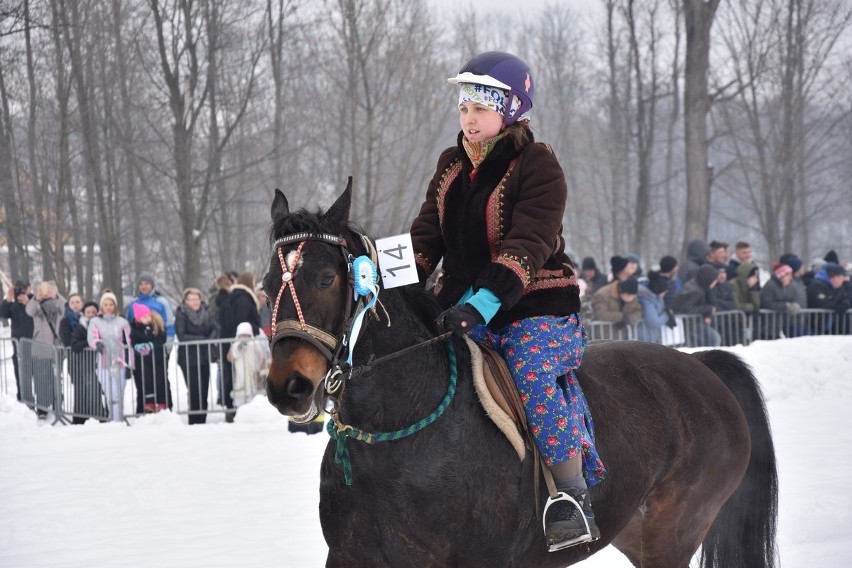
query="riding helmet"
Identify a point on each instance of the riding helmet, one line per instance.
(504, 71)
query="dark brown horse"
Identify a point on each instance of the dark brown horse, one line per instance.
(685, 438)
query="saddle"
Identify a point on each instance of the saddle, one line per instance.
(499, 396)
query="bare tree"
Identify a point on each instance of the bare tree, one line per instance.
(698, 20)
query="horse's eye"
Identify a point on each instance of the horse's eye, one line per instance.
(327, 281)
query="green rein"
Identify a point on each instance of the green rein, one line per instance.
(340, 432)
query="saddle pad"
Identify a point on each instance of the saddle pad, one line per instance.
(498, 394)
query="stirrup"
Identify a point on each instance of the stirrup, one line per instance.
(562, 496)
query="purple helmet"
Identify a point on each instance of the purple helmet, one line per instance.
(504, 71)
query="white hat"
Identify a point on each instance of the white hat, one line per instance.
(245, 329)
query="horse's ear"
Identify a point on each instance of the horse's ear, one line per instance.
(339, 212)
(280, 207)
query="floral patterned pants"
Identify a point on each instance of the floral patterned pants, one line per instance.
(542, 353)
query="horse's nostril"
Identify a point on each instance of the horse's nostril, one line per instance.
(299, 386)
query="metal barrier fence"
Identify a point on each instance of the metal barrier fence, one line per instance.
(197, 378)
(194, 378)
(729, 328)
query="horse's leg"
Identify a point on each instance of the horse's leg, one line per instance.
(673, 526)
(629, 540)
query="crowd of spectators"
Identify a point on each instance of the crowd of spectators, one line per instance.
(709, 281)
(102, 348)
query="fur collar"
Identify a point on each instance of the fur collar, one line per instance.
(247, 290)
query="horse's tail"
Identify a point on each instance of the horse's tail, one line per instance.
(743, 534)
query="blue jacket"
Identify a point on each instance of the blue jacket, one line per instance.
(156, 303)
(654, 315)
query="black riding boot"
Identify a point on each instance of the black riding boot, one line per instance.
(565, 524)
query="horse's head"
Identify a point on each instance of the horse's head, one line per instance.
(310, 289)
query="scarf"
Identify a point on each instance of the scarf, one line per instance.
(198, 318)
(478, 151)
(72, 317)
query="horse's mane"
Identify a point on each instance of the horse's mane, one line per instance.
(422, 301)
(304, 221)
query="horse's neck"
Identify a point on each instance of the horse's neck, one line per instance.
(404, 387)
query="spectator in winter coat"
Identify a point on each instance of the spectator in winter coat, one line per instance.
(148, 338)
(248, 354)
(594, 278)
(265, 312)
(669, 270)
(109, 335)
(694, 298)
(154, 301)
(219, 295)
(70, 319)
(779, 296)
(654, 312)
(826, 292)
(718, 253)
(241, 307)
(622, 268)
(88, 396)
(798, 285)
(747, 288)
(616, 303)
(696, 255)
(193, 322)
(46, 309)
(14, 308)
(722, 293)
(742, 253)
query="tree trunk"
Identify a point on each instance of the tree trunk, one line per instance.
(698, 18)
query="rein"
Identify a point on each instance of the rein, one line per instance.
(340, 432)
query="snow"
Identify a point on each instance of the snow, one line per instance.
(160, 493)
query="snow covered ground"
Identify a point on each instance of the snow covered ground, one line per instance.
(163, 494)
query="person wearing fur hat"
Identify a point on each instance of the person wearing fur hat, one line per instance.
(696, 298)
(193, 322)
(82, 366)
(241, 306)
(150, 297)
(109, 335)
(617, 303)
(779, 296)
(493, 214)
(148, 338)
(826, 292)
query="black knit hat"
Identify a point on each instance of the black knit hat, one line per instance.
(617, 263)
(831, 256)
(629, 286)
(706, 275)
(589, 264)
(657, 283)
(667, 263)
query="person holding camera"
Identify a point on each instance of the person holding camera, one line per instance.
(46, 308)
(14, 309)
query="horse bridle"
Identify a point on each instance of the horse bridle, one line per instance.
(330, 345)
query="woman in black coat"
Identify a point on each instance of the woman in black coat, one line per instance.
(241, 307)
(88, 396)
(193, 322)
